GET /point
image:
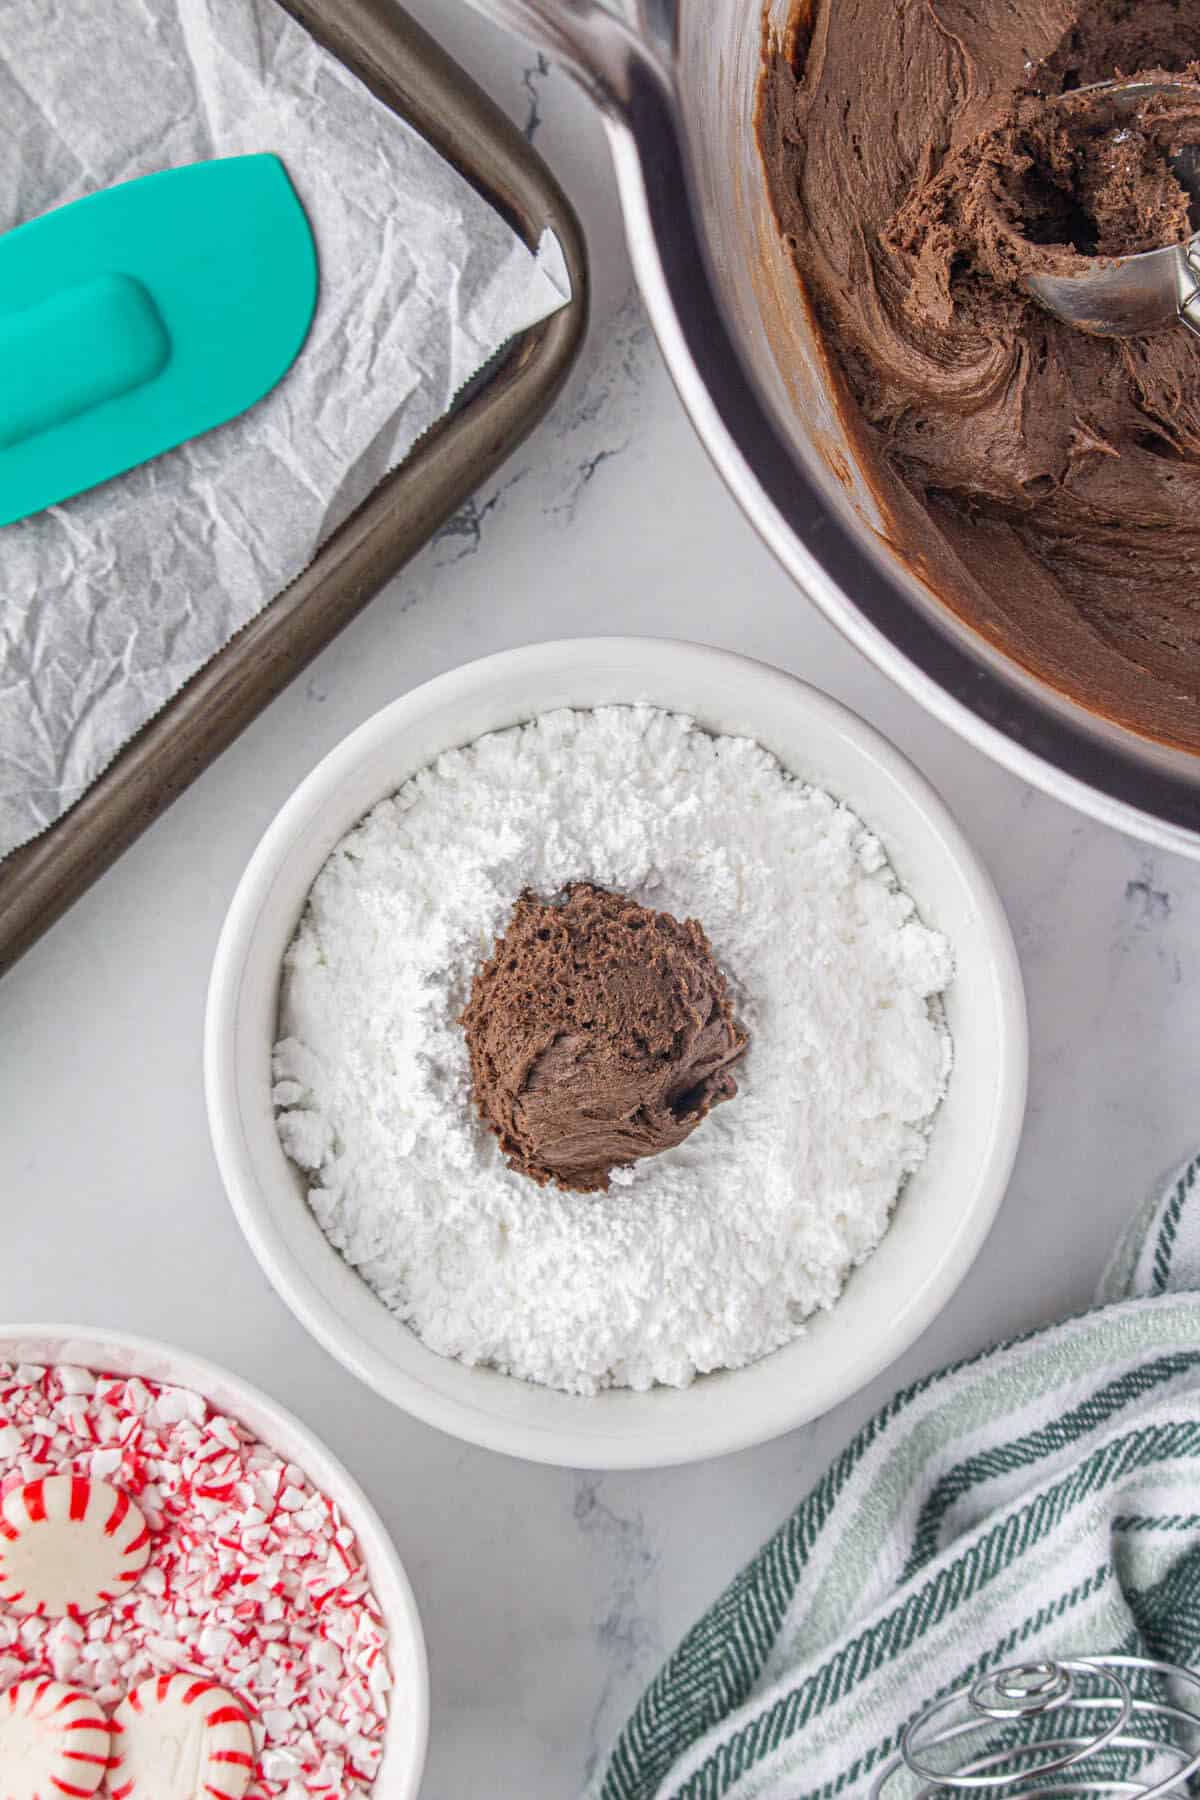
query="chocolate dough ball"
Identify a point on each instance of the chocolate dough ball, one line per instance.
(599, 1032)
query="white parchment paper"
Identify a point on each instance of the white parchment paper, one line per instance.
(109, 602)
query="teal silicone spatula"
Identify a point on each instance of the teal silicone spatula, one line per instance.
(141, 316)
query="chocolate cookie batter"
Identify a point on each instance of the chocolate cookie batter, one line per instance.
(921, 161)
(599, 1032)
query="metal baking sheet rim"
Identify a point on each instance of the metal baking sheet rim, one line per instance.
(409, 72)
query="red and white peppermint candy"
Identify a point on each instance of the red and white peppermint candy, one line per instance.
(69, 1545)
(179, 1738)
(54, 1742)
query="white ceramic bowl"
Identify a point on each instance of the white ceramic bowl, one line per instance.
(118, 1354)
(945, 1211)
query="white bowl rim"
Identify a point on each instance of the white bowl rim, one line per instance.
(554, 1444)
(202, 1375)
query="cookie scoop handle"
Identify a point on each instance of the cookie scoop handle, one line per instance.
(1189, 308)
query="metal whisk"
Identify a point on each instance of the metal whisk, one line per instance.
(1086, 1725)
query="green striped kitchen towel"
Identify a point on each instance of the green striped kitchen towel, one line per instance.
(1043, 1497)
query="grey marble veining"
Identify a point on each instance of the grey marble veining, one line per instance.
(549, 1598)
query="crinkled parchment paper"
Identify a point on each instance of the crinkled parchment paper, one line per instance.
(109, 602)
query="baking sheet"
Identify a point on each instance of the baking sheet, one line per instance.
(111, 602)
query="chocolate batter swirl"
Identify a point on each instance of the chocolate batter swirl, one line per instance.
(917, 180)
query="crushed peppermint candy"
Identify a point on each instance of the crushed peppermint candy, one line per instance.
(254, 1580)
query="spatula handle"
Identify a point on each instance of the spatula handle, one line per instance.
(81, 346)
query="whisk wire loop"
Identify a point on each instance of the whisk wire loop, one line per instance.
(1069, 1727)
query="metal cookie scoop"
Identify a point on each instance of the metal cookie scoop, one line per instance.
(1125, 295)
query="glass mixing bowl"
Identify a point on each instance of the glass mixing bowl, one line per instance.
(676, 80)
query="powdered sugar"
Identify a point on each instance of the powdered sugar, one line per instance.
(253, 1581)
(712, 1254)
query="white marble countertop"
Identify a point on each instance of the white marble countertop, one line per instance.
(548, 1597)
